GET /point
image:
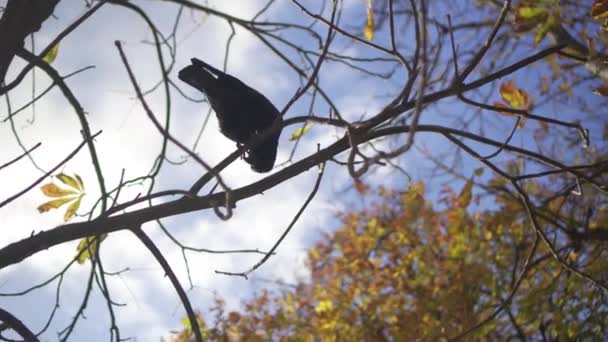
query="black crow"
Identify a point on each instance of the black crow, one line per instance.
(241, 110)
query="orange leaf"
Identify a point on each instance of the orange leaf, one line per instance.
(601, 90)
(361, 187)
(502, 105)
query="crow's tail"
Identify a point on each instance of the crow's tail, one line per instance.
(198, 63)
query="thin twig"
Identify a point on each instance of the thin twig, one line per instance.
(293, 221)
(43, 177)
(16, 159)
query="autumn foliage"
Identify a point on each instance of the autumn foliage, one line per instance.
(409, 270)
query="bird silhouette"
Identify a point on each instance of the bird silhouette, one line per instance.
(242, 111)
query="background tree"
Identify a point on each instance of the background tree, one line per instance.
(438, 91)
(405, 270)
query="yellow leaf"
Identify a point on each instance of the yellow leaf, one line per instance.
(373, 223)
(298, 133)
(541, 33)
(54, 204)
(80, 182)
(527, 18)
(72, 209)
(566, 88)
(68, 180)
(368, 32)
(199, 319)
(52, 54)
(498, 182)
(599, 9)
(328, 326)
(478, 171)
(545, 85)
(465, 196)
(556, 69)
(513, 96)
(552, 21)
(525, 12)
(417, 189)
(86, 248)
(324, 305)
(52, 190)
(591, 48)
(314, 254)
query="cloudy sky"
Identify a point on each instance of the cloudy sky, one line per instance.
(130, 142)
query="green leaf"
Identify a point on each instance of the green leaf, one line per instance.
(298, 133)
(52, 54)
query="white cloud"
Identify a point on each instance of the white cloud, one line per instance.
(130, 141)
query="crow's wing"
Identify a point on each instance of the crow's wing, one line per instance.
(262, 157)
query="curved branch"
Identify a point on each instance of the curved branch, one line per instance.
(141, 235)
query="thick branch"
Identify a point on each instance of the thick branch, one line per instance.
(20, 250)
(14, 323)
(20, 19)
